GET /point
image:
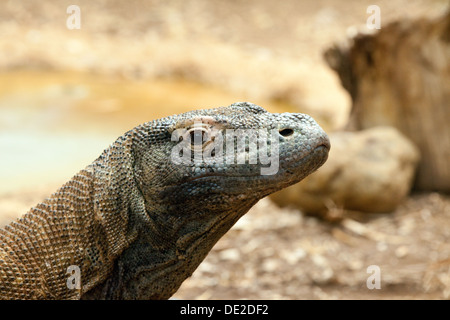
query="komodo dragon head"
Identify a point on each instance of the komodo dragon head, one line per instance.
(198, 173)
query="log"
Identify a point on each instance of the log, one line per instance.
(400, 76)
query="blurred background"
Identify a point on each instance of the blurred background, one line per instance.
(66, 94)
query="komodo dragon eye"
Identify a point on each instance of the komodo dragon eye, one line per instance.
(198, 136)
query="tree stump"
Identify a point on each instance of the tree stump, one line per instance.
(400, 76)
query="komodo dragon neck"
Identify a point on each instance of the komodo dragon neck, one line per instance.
(138, 221)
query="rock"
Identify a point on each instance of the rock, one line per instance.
(370, 171)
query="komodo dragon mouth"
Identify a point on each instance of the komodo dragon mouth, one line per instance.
(320, 153)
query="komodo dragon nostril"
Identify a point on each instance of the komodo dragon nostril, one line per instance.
(286, 132)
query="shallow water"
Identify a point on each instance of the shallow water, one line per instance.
(52, 124)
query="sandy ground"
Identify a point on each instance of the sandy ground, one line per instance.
(279, 254)
(260, 50)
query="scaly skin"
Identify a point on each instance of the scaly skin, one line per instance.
(136, 223)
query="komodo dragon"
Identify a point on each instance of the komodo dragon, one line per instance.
(135, 222)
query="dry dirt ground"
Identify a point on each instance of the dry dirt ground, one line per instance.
(276, 253)
(266, 50)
